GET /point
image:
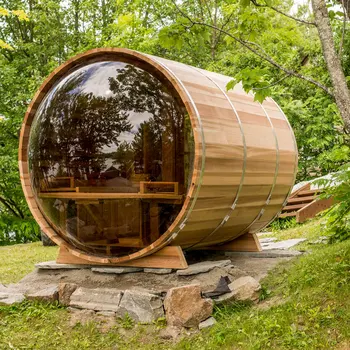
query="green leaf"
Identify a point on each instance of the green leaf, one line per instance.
(244, 3)
(331, 14)
(231, 84)
(260, 95)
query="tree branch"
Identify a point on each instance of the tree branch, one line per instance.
(283, 13)
(4, 202)
(273, 84)
(343, 32)
(263, 56)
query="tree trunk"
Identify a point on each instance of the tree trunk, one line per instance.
(341, 91)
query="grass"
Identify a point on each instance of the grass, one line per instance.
(17, 261)
(314, 314)
(312, 230)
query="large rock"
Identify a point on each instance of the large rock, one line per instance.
(140, 306)
(65, 291)
(202, 267)
(184, 306)
(242, 289)
(99, 299)
(245, 288)
(49, 294)
(9, 298)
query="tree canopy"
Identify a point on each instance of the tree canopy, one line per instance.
(271, 46)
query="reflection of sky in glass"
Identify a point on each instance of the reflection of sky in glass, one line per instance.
(96, 81)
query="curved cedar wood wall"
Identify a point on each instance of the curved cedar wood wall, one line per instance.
(245, 157)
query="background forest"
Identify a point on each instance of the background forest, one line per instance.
(36, 36)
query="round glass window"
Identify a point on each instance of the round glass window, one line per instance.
(110, 154)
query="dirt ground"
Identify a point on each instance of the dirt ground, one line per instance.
(241, 266)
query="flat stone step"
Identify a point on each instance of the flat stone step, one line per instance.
(98, 299)
(286, 244)
(53, 265)
(117, 270)
(202, 267)
(273, 253)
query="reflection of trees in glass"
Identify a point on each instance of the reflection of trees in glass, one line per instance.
(82, 134)
(158, 143)
(73, 128)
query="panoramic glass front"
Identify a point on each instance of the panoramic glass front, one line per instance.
(110, 156)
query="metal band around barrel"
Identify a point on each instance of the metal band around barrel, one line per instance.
(183, 223)
(229, 213)
(274, 180)
(295, 163)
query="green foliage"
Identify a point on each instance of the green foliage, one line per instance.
(309, 299)
(127, 322)
(338, 216)
(15, 230)
(43, 34)
(283, 224)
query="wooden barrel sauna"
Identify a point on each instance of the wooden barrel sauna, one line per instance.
(123, 154)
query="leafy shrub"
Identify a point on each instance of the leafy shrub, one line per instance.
(283, 224)
(338, 216)
(14, 230)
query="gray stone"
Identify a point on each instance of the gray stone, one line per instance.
(3, 288)
(158, 271)
(117, 270)
(65, 290)
(46, 294)
(53, 265)
(209, 322)
(184, 306)
(10, 298)
(140, 306)
(202, 267)
(99, 299)
(289, 243)
(245, 288)
(273, 253)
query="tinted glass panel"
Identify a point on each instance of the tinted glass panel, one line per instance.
(110, 155)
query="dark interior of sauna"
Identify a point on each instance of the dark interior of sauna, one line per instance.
(111, 154)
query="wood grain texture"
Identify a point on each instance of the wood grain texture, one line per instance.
(170, 257)
(312, 209)
(244, 166)
(248, 242)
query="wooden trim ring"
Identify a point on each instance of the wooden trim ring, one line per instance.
(96, 55)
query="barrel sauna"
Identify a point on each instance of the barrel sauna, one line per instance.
(129, 159)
